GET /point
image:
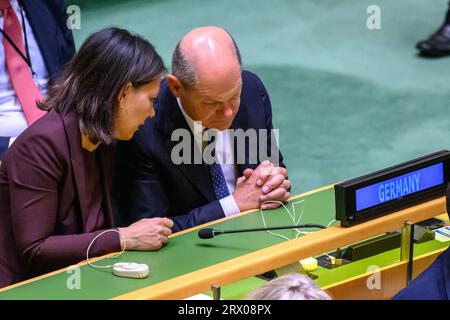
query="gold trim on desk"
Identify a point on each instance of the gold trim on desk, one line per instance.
(283, 254)
(83, 263)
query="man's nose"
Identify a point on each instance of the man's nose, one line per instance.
(228, 111)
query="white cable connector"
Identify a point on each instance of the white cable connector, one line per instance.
(121, 269)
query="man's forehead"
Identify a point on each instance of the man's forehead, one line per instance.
(217, 90)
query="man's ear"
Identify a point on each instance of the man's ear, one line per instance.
(175, 85)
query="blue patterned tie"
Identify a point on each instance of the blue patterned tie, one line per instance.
(218, 180)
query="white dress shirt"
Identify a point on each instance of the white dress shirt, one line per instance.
(12, 118)
(225, 157)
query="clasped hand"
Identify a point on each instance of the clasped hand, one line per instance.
(265, 183)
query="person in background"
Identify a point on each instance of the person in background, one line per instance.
(438, 44)
(431, 284)
(34, 45)
(434, 282)
(289, 287)
(55, 180)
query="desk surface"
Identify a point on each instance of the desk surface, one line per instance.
(186, 257)
(183, 254)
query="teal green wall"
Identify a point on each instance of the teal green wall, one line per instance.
(347, 100)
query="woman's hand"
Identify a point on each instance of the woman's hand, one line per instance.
(146, 234)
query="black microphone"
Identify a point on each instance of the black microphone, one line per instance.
(208, 233)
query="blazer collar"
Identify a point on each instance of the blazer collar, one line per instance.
(241, 122)
(170, 118)
(72, 128)
(40, 19)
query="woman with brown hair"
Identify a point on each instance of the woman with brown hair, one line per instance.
(55, 180)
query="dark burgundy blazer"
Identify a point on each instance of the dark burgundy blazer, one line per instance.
(43, 201)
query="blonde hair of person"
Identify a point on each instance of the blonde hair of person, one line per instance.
(289, 287)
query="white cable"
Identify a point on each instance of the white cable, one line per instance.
(264, 221)
(116, 256)
(331, 222)
(301, 213)
(298, 231)
(292, 215)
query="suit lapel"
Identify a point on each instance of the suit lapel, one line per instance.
(73, 133)
(170, 118)
(106, 154)
(43, 27)
(197, 174)
(241, 122)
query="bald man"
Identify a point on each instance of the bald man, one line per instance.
(210, 151)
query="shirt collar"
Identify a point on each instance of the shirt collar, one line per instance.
(196, 127)
(190, 122)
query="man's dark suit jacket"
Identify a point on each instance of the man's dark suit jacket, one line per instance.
(44, 222)
(148, 184)
(47, 19)
(48, 22)
(434, 282)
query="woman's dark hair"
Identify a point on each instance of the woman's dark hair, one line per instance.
(91, 82)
